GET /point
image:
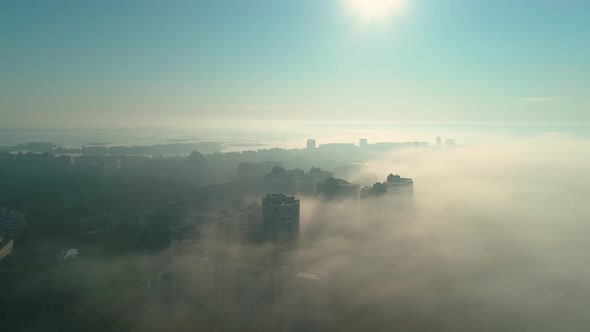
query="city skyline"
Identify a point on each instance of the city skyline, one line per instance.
(294, 165)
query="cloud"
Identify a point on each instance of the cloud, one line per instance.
(495, 240)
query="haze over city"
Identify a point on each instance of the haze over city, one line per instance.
(294, 165)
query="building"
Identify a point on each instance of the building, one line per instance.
(309, 305)
(33, 164)
(438, 140)
(378, 189)
(280, 218)
(280, 180)
(12, 223)
(295, 181)
(363, 143)
(333, 188)
(6, 246)
(311, 144)
(307, 183)
(395, 184)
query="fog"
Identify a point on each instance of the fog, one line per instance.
(141, 137)
(494, 240)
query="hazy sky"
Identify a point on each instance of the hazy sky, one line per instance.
(148, 62)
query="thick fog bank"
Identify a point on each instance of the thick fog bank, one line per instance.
(495, 241)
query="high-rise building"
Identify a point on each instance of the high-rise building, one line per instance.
(338, 189)
(311, 144)
(282, 181)
(280, 218)
(395, 184)
(363, 143)
(12, 223)
(309, 301)
(5, 246)
(295, 181)
(438, 140)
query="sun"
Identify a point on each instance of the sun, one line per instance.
(372, 10)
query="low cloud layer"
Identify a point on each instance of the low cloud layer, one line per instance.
(495, 240)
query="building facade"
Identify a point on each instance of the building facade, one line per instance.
(5, 246)
(291, 182)
(12, 223)
(280, 218)
(395, 184)
(333, 188)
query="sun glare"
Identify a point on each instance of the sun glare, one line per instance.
(371, 10)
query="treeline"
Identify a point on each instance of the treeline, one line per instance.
(106, 150)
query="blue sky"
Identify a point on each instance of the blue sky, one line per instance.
(177, 62)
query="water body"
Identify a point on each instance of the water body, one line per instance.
(291, 136)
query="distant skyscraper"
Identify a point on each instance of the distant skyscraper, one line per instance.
(438, 140)
(280, 218)
(363, 143)
(311, 144)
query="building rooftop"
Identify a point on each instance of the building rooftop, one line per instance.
(394, 179)
(280, 199)
(331, 181)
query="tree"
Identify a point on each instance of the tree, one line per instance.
(197, 157)
(378, 189)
